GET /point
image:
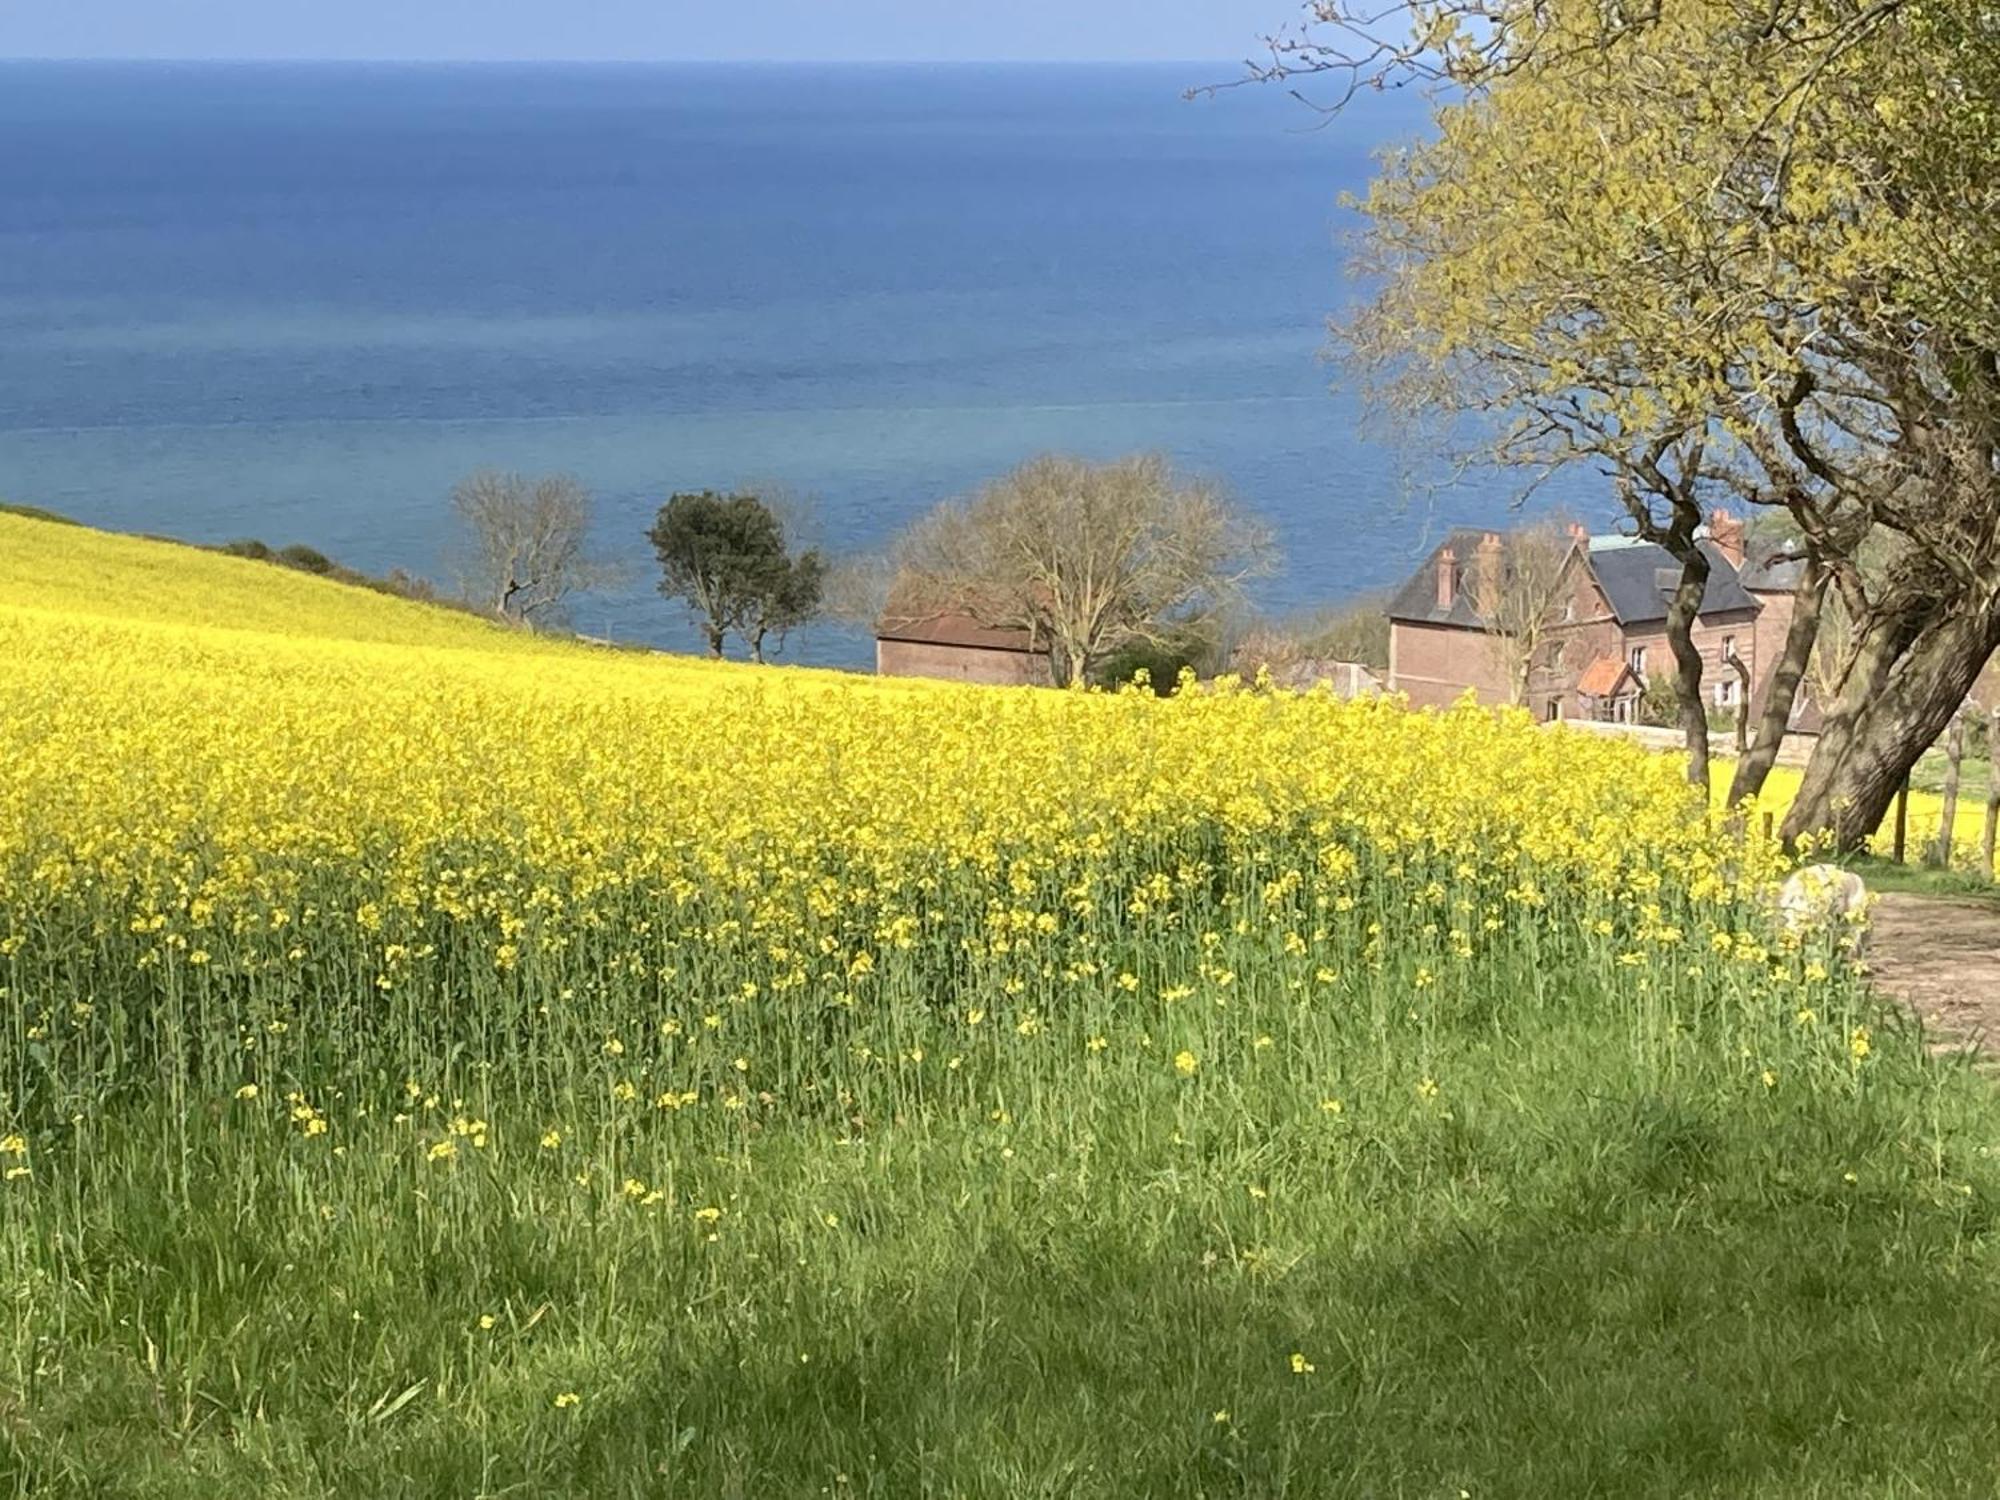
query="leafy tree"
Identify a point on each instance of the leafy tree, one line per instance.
(522, 550)
(1087, 558)
(792, 599)
(1714, 249)
(728, 557)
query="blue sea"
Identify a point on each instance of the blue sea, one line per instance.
(297, 302)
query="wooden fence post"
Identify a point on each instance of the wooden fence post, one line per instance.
(1954, 753)
(1992, 792)
(1902, 817)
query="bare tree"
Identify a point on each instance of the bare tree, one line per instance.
(522, 544)
(1086, 558)
(1516, 585)
(1356, 631)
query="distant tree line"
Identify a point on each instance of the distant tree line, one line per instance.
(1106, 567)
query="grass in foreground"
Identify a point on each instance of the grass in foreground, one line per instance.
(450, 1072)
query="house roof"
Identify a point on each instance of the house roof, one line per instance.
(1630, 574)
(951, 628)
(1416, 600)
(1628, 571)
(1603, 677)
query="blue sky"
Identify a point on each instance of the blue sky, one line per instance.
(637, 30)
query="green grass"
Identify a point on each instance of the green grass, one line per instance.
(1604, 1256)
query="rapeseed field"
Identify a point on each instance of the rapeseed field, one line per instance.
(437, 1061)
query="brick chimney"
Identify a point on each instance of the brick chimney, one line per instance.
(1447, 576)
(1727, 534)
(1487, 566)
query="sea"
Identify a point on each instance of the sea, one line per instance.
(298, 302)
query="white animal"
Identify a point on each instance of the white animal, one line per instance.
(1825, 898)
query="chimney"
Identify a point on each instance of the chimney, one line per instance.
(1486, 574)
(1447, 576)
(1727, 534)
(1578, 535)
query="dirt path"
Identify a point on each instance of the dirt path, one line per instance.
(1941, 958)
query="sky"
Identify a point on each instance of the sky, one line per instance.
(645, 30)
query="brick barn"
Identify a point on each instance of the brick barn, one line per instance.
(1607, 630)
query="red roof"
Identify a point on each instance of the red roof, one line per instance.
(952, 628)
(1603, 677)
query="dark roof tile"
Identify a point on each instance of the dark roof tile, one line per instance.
(1630, 577)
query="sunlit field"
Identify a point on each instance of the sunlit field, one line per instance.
(439, 1062)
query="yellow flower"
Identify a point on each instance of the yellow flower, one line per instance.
(708, 1215)
(1096, 1044)
(444, 1150)
(1185, 1063)
(1331, 1106)
(1857, 1043)
(1302, 1366)
(551, 1139)
(567, 1399)
(487, 1320)
(13, 1145)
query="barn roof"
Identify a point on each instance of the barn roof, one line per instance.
(952, 628)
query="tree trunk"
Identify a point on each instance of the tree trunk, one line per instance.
(1681, 615)
(1900, 694)
(1992, 794)
(1742, 671)
(757, 645)
(1954, 753)
(713, 634)
(1783, 689)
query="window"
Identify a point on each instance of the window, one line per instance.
(1553, 711)
(1728, 648)
(1726, 692)
(1639, 661)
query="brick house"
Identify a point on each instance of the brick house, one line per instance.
(1607, 632)
(952, 644)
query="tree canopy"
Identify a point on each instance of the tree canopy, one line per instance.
(522, 545)
(1719, 249)
(1087, 558)
(728, 557)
